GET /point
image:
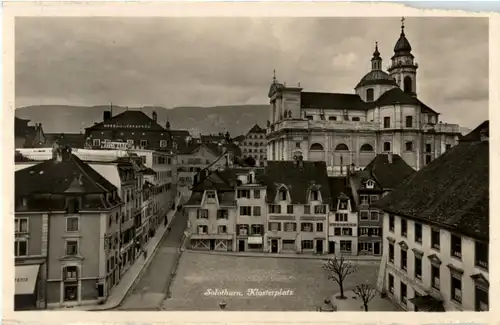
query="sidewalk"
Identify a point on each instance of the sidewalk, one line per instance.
(354, 303)
(119, 292)
(289, 255)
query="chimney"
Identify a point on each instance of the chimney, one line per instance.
(155, 116)
(106, 115)
(389, 157)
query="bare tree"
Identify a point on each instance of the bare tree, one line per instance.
(338, 269)
(366, 292)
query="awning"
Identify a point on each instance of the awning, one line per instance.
(427, 303)
(26, 276)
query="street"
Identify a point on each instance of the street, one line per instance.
(149, 292)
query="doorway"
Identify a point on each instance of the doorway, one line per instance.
(319, 246)
(376, 248)
(331, 247)
(274, 246)
(241, 246)
(212, 244)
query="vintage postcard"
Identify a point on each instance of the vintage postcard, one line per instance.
(217, 157)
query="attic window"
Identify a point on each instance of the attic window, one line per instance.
(314, 195)
(369, 184)
(282, 195)
(342, 204)
(210, 195)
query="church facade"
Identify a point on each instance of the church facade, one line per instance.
(383, 115)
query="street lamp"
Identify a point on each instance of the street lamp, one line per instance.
(222, 305)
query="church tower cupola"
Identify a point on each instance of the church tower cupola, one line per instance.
(376, 59)
(403, 68)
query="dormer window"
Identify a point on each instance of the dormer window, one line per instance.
(370, 184)
(282, 195)
(210, 194)
(314, 195)
(343, 205)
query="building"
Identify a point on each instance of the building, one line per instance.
(238, 140)
(436, 229)
(67, 219)
(383, 115)
(254, 145)
(298, 201)
(72, 140)
(378, 178)
(27, 136)
(212, 212)
(342, 218)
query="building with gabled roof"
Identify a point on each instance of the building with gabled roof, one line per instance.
(383, 115)
(254, 145)
(436, 229)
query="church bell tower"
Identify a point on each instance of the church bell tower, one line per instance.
(403, 68)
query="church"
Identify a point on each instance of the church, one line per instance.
(382, 116)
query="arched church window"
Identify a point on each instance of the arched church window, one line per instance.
(366, 147)
(408, 85)
(387, 146)
(316, 146)
(369, 95)
(341, 147)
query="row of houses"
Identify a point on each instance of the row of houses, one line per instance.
(292, 206)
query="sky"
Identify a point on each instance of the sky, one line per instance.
(171, 62)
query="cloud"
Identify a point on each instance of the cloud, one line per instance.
(216, 61)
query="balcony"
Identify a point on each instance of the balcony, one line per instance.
(441, 128)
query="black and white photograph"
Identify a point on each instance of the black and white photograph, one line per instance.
(307, 164)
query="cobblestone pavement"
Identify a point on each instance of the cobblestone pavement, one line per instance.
(306, 278)
(149, 292)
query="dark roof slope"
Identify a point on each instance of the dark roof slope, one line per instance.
(297, 180)
(389, 175)
(331, 101)
(130, 118)
(398, 96)
(376, 77)
(257, 129)
(239, 138)
(179, 133)
(221, 181)
(339, 188)
(452, 191)
(68, 176)
(475, 135)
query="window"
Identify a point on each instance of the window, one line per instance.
(418, 232)
(435, 276)
(243, 194)
(306, 226)
(256, 194)
(404, 255)
(387, 146)
(341, 217)
(374, 231)
(332, 118)
(70, 273)
(256, 229)
(307, 209)
(319, 227)
(482, 300)
(315, 195)
(274, 208)
(202, 214)
(290, 226)
(274, 226)
(337, 231)
(163, 143)
(355, 119)
(222, 214)
(364, 199)
(71, 247)
(307, 244)
(365, 247)
(391, 222)
(222, 229)
(369, 95)
(245, 211)
(391, 283)
(309, 117)
(363, 231)
(21, 247)
(320, 209)
(256, 211)
(282, 195)
(21, 225)
(481, 255)
(343, 205)
(456, 288)
(210, 195)
(297, 145)
(418, 267)
(374, 215)
(403, 293)
(409, 146)
(71, 224)
(404, 227)
(391, 253)
(242, 230)
(428, 159)
(456, 246)
(289, 209)
(448, 146)
(202, 229)
(345, 246)
(387, 122)
(373, 198)
(409, 121)
(435, 239)
(96, 142)
(428, 147)
(363, 215)
(144, 143)
(346, 231)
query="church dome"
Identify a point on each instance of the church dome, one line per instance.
(376, 77)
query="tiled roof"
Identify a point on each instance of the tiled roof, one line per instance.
(129, 118)
(73, 140)
(297, 180)
(452, 191)
(55, 177)
(398, 96)
(340, 188)
(389, 175)
(239, 138)
(179, 133)
(475, 135)
(221, 181)
(257, 129)
(331, 101)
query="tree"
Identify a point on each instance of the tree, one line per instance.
(338, 269)
(366, 293)
(250, 161)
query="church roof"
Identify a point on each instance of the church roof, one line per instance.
(398, 96)
(331, 101)
(402, 45)
(129, 118)
(376, 77)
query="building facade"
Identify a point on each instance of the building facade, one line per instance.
(384, 115)
(255, 145)
(437, 237)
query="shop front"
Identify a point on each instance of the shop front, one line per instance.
(28, 287)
